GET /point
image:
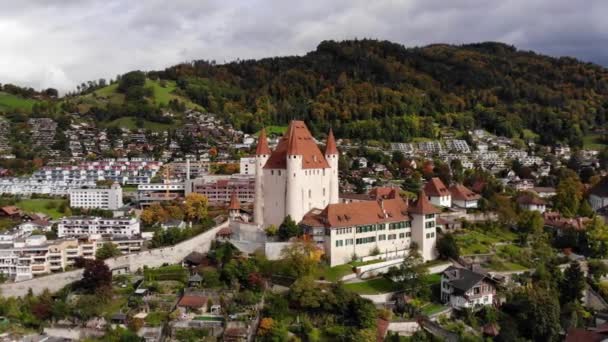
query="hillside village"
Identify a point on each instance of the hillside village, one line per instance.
(438, 238)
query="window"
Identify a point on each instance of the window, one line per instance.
(309, 193)
(401, 235)
(361, 241)
(408, 234)
(429, 216)
(339, 243)
(349, 242)
(429, 224)
(323, 189)
(392, 236)
(381, 237)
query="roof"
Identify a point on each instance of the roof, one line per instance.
(358, 213)
(463, 278)
(234, 202)
(435, 188)
(297, 141)
(193, 302)
(11, 210)
(422, 206)
(330, 146)
(383, 193)
(226, 231)
(528, 199)
(582, 335)
(262, 148)
(462, 193)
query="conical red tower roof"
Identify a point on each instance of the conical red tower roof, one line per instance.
(234, 202)
(262, 144)
(330, 147)
(422, 206)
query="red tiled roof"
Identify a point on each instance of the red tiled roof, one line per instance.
(435, 187)
(262, 147)
(582, 335)
(226, 231)
(358, 213)
(193, 302)
(330, 147)
(422, 206)
(462, 193)
(297, 141)
(11, 210)
(234, 202)
(383, 192)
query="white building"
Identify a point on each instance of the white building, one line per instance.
(247, 166)
(463, 197)
(34, 255)
(107, 199)
(438, 193)
(464, 288)
(294, 178)
(598, 195)
(386, 226)
(86, 226)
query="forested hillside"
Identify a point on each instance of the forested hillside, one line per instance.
(380, 90)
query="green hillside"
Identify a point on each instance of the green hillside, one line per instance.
(380, 90)
(9, 102)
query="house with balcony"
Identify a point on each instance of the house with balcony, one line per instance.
(464, 288)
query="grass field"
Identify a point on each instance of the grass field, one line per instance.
(593, 142)
(129, 122)
(501, 266)
(432, 308)
(11, 102)
(474, 242)
(373, 286)
(40, 205)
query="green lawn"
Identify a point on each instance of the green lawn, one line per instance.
(41, 205)
(10, 102)
(129, 122)
(502, 266)
(433, 279)
(593, 142)
(432, 308)
(337, 272)
(373, 286)
(476, 242)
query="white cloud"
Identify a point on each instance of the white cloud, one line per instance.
(63, 43)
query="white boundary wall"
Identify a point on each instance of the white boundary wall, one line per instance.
(133, 262)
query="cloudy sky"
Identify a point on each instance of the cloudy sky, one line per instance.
(48, 43)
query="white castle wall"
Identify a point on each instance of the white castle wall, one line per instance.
(151, 258)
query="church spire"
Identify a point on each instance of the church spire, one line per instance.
(330, 146)
(262, 148)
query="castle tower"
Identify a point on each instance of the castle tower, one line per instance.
(262, 153)
(234, 209)
(332, 155)
(423, 226)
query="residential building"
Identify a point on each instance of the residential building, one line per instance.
(463, 197)
(34, 255)
(86, 226)
(247, 166)
(438, 193)
(530, 202)
(463, 288)
(219, 188)
(294, 178)
(98, 198)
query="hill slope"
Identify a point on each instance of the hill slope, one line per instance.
(381, 90)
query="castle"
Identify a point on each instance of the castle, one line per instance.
(298, 180)
(294, 178)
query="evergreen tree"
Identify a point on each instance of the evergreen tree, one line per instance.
(573, 284)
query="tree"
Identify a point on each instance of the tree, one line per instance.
(596, 236)
(447, 247)
(569, 194)
(530, 222)
(411, 275)
(195, 206)
(597, 269)
(107, 250)
(537, 313)
(304, 294)
(573, 284)
(95, 276)
(301, 258)
(289, 229)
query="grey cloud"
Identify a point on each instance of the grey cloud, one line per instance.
(62, 43)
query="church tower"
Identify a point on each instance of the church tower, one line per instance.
(332, 155)
(262, 154)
